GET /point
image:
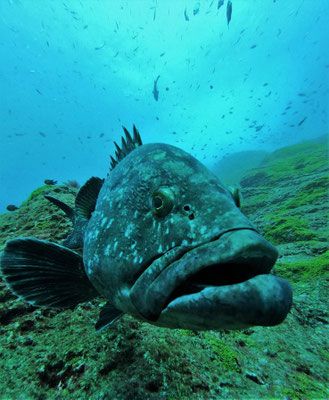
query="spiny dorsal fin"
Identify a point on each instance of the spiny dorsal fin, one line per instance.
(128, 144)
(63, 206)
(85, 201)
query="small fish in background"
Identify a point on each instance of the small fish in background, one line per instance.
(50, 182)
(100, 47)
(186, 16)
(11, 207)
(196, 8)
(219, 4)
(42, 134)
(229, 11)
(302, 121)
(155, 89)
(154, 12)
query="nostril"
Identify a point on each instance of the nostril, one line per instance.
(191, 216)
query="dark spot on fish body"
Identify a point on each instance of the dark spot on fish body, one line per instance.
(187, 209)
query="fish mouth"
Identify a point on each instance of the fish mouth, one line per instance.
(224, 283)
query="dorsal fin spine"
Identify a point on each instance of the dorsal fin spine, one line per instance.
(128, 144)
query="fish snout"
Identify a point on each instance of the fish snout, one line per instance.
(233, 257)
(250, 250)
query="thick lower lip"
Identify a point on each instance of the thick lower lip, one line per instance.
(263, 300)
(235, 258)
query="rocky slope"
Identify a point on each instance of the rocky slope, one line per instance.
(47, 354)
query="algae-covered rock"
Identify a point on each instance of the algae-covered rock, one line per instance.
(37, 217)
(308, 270)
(287, 229)
(287, 196)
(288, 163)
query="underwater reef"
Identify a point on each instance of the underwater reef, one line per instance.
(51, 354)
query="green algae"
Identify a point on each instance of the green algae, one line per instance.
(39, 191)
(225, 355)
(288, 162)
(311, 193)
(312, 269)
(37, 217)
(288, 229)
(305, 388)
(257, 200)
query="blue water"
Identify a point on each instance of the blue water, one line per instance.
(72, 72)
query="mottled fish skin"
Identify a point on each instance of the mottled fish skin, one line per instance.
(125, 237)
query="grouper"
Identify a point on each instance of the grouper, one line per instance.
(164, 241)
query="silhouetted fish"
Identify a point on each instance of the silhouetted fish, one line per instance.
(11, 207)
(50, 182)
(196, 8)
(155, 89)
(302, 121)
(229, 11)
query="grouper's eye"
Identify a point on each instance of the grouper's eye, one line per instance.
(162, 202)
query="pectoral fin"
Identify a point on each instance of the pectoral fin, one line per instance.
(107, 316)
(45, 274)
